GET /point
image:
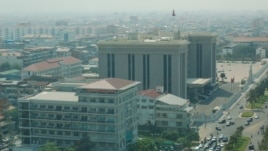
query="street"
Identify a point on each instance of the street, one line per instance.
(252, 130)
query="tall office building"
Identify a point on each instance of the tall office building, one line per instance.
(167, 61)
(202, 56)
(155, 63)
(104, 110)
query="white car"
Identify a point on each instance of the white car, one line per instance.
(256, 117)
(229, 117)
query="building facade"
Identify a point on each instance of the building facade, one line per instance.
(37, 54)
(202, 56)
(153, 62)
(166, 111)
(105, 111)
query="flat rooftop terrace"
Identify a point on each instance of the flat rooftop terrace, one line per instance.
(55, 96)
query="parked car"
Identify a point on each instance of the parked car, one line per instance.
(250, 119)
(221, 136)
(232, 122)
(251, 147)
(218, 128)
(225, 139)
(222, 121)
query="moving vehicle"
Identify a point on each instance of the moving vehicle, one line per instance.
(222, 121)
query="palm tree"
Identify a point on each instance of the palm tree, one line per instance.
(252, 95)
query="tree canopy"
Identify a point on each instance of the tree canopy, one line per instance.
(84, 144)
(49, 147)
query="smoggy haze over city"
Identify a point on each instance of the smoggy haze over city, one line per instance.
(61, 6)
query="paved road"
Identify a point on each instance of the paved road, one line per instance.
(224, 92)
(252, 130)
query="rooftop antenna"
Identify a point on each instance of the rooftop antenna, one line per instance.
(173, 15)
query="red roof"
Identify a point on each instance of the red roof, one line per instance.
(51, 63)
(110, 84)
(150, 93)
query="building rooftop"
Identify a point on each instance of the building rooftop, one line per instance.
(250, 39)
(197, 82)
(51, 63)
(8, 72)
(63, 49)
(146, 42)
(38, 48)
(110, 84)
(172, 100)
(33, 36)
(202, 34)
(150, 93)
(55, 96)
(8, 53)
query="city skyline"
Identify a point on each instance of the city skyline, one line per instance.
(71, 6)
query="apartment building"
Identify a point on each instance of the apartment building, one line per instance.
(104, 110)
(66, 67)
(165, 111)
(17, 32)
(172, 112)
(37, 54)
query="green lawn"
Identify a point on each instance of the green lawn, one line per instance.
(247, 114)
(259, 103)
(242, 144)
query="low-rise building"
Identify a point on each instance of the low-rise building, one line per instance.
(104, 110)
(37, 54)
(65, 67)
(165, 111)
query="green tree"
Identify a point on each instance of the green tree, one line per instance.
(49, 147)
(5, 66)
(84, 144)
(1, 138)
(69, 149)
(15, 66)
(222, 75)
(12, 115)
(252, 95)
(146, 144)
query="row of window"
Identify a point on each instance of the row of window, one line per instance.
(108, 146)
(82, 109)
(96, 100)
(60, 127)
(165, 115)
(71, 117)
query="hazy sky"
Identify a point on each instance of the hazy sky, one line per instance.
(35, 6)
